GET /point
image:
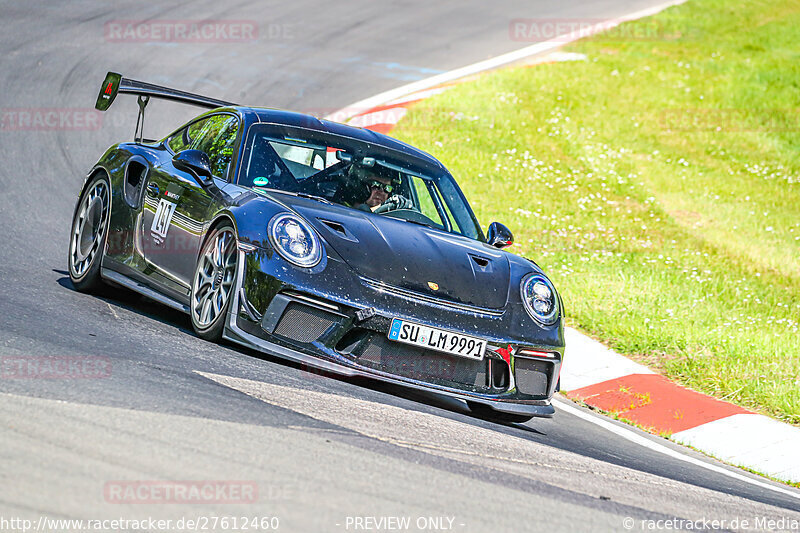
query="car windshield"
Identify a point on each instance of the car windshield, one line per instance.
(354, 174)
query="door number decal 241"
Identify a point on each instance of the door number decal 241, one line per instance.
(161, 221)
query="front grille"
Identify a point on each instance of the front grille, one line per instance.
(303, 324)
(531, 376)
(403, 360)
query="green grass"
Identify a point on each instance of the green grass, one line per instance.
(658, 184)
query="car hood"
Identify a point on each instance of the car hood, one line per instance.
(410, 256)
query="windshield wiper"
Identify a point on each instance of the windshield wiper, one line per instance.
(313, 197)
(293, 193)
(419, 223)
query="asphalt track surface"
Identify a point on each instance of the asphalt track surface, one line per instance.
(321, 450)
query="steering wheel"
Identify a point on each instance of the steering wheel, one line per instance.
(394, 202)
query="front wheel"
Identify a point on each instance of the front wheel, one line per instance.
(213, 283)
(89, 234)
(487, 413)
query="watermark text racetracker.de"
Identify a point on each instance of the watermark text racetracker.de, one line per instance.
(754, 523)
(181, 492)
(417, 368)
(50, 119)
(568, 30)
(730, 120)
(186, 523)
(55, 367)
(194, 31)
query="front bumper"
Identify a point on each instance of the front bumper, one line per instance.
(346, 335)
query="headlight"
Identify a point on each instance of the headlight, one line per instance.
(295, 240)
(540, 298)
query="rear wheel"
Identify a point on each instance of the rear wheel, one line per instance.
(89, 234)
(487, 413)
(213, 283)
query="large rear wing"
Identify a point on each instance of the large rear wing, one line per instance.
(115, 84)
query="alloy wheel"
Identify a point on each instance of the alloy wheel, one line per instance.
(213, 279)
(89, 229)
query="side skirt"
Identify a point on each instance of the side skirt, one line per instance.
(143, 289)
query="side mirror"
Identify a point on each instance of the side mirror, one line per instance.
(195, 162)
(499, 236)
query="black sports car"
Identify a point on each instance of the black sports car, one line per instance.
(322, 243)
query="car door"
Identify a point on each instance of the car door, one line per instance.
(178, 206)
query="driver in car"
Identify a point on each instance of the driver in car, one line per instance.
(380, 189)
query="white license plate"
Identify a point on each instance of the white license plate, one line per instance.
(437, 339)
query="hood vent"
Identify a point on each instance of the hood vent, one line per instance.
(338, 229)
(335, 226)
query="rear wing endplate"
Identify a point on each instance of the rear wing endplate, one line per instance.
(115, 84)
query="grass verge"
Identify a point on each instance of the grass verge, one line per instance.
(657, 183)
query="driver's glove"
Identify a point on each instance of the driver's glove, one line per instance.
(399, 202)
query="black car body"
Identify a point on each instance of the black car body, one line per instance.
(249, 220)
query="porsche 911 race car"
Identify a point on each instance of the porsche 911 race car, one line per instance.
(329, 245)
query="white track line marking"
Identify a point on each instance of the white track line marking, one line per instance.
(544, 46)
(760, 442)
(631, 436)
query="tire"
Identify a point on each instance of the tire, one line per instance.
(89, 234)
(213, 283)
(487, 413)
